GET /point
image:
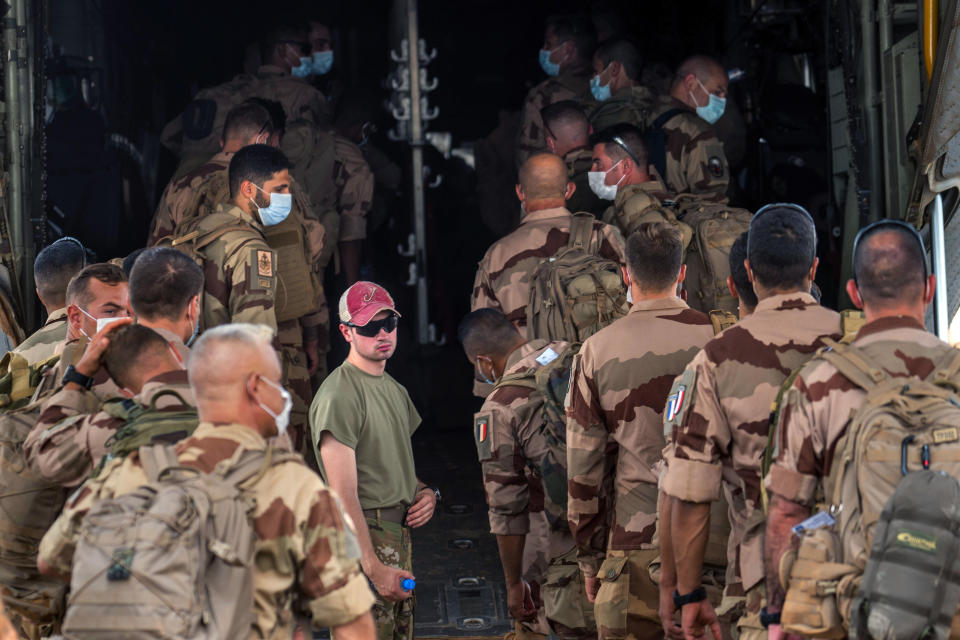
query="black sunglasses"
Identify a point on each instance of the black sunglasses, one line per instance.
(891, 224)
(372, 328)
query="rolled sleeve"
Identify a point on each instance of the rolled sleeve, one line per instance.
(515, 524)
(342, 605)
(792, 485)
(799, 448)
(693, 481)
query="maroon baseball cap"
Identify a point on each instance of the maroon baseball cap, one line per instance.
(362, 301)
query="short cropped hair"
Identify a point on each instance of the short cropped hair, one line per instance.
(247, 120)
(256, 163)
(624, 52)
(487, 331)
(576, 27)
(738, 271)
(889, 266)
(654, 255)
(55, 265)
(238, 334)
(162, 283)
(634, 145)
(78, 291)
(280, 35)
(781, 246)
(563, 114)
(132, 348)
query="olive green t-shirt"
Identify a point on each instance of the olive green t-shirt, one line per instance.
(373, 415)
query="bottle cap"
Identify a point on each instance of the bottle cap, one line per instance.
(408, 584)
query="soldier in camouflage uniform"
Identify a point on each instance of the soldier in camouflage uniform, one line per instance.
(305, 548)
(71, 433)
(361, 421)
(717, 418)
(53, 268)
(510, 441)
(891, 285)
(567, 132)
(623, 175)
(621, 99)
(693, 160)
(568, 44)
(618, 389)
(503, 275)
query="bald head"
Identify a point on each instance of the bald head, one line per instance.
(543, 176)
(889, 268)
(224, 357)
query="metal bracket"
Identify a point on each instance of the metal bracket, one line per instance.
(412, 275)
(425, 85)
(410, 249)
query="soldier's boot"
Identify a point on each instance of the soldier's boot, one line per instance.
(521, 632)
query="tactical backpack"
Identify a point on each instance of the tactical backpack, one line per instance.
(550, 382)
(29, 504)
(146, 425)
(903, 425)
(575, 293)
(172, 559)
(715, 228)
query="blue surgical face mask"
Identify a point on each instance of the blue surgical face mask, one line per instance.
(711, 111)
(549, 68)
(600, 91)
(303, 69)
(278, 209)
(322, 62)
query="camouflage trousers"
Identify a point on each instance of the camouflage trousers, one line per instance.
(394, 548)
(565, 602)
(627, 602)
(536, 559)
(739, 613)
(296, 378)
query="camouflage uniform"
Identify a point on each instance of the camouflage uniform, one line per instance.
(306, 550)
(818, 407)
(71, 434)
(629, 105)
(695, 160)
(503, 276)
(571, 84)
(579, 163)
(509, 437)
(720, 422)
(618, 390)
(43, 343)
(639, 203)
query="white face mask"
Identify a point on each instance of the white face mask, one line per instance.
(282, 419)
(598, 183)
(101, 322)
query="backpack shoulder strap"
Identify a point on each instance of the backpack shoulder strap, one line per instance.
(665, 117)
(581, 230)
(851, 322)
(945, 372)
(252, 464)
(519, 379)
(852, 363)
(155, 459)
(166, 392)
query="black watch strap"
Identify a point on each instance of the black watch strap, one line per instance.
(767, 619)
(436, 492)
(72, 375)
(697, 595)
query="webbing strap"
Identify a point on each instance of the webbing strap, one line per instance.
(581, 229)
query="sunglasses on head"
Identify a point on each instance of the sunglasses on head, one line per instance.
(372, 328)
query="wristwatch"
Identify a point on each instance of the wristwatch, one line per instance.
(436, 491)
(767, 619)
(74, 376)
(697, 595)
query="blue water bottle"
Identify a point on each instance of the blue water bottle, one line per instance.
(408, 584)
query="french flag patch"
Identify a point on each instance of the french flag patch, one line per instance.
(675, 402)
(481, 431)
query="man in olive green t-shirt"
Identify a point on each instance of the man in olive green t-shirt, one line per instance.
(361, 420)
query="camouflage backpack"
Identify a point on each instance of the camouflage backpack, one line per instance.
(146, 425)
(29, 504)
(550, 382)
(575, 293)
(911, 589)
(715, 228)
(172, 559)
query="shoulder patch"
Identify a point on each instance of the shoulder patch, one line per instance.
(263, 263)
(483, 435)
(678, 401)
